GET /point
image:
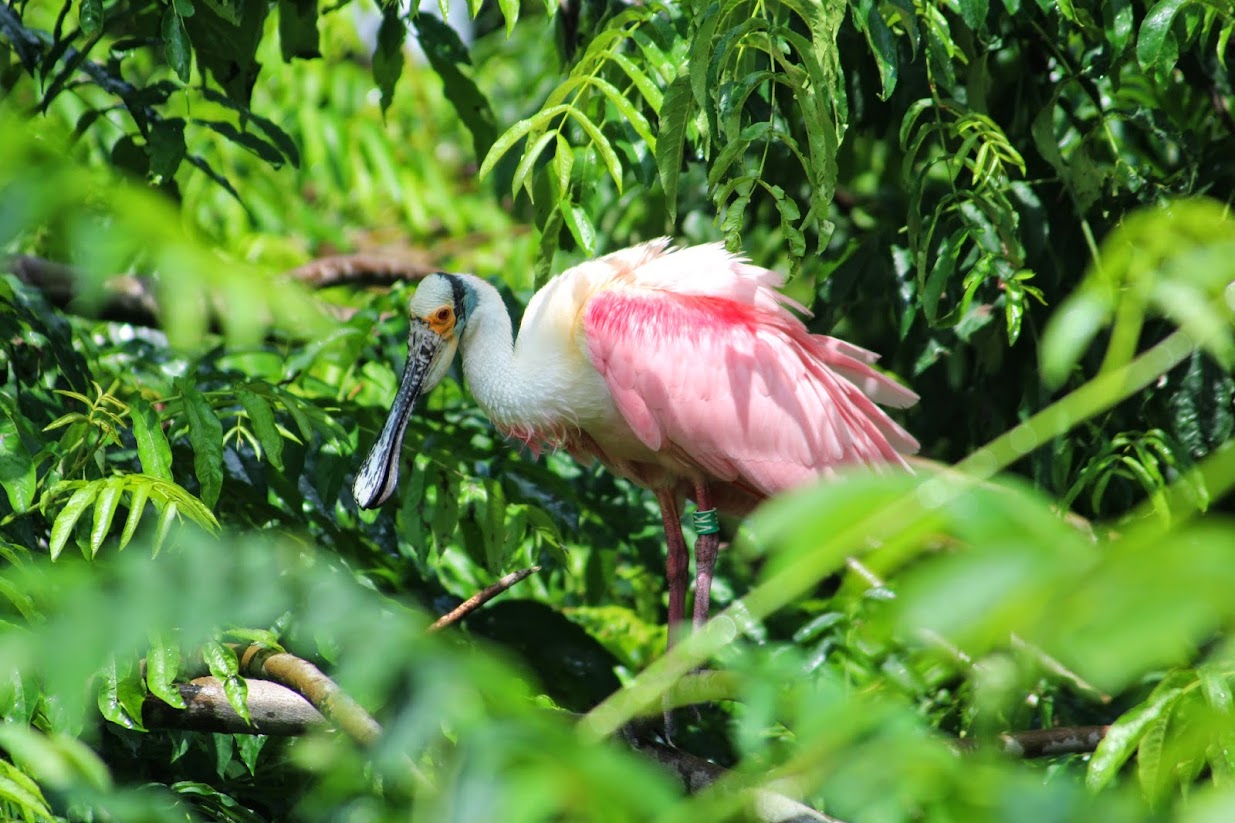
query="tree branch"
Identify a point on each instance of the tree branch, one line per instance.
(129, 298)
(480, 598)
(1048, 742)
(275, 710)
(309, 681)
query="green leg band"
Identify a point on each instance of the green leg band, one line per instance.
(706, 522)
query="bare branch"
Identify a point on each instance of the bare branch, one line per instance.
(480, 598)
(275, 710)
(363, 268)
(308, 680)
(123, 298)
(1047, 742)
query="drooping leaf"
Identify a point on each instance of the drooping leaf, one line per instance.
(105, 505)
(225, 36)
(675, 113)
(449, 58)
(206, 437)
(153, 449)
(121, 694)
(388, 59)
(162, 667)
(298, 35)
(261, 416)
(17, 474)
(91, 17)
(66, 521)
(176, 48)
(1156, 49)
(869, 19)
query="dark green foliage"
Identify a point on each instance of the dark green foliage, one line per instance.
(1023, 205)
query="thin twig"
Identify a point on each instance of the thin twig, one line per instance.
(480, 598)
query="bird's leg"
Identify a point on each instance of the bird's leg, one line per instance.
(706, 547)
(677, 564)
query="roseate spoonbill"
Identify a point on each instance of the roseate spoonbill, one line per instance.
(682, 370)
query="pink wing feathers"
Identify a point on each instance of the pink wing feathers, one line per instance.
(718, 372)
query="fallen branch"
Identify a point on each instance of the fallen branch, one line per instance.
(274, 709)
(1048, 742)
(127, 298)
(480, 598)
(363, 269)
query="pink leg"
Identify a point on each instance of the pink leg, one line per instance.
(706, 547)
(677, 562)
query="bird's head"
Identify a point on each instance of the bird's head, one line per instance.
(438, 315)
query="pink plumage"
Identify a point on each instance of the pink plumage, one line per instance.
(706, 364)
(685, 371)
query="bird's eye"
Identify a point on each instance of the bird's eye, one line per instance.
(442, 314)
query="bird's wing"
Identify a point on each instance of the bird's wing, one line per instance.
(735, 384)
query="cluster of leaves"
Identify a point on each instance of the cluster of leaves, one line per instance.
(938, 175)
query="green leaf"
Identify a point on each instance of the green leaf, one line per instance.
(139, 493)
(530, 156)
(388, 58)
(105, 506)
(237, 691)
(448, 56)
(247, 140)
(1156, 48)
(276, 135)
(607, 155)
(510, 13)
(627, 109)
(225, 38)
(17, 474)
(1149, 768)
(58, 761)
(153, 450)
(675, 113)
(165, 147)
(121, 694)
(222, 662)
(91, 17)
(162, 666)
(220, 659)
(869, 20)
(563, 165)
(1217, 689)
(1117, 23)
(206, 437)
(63, 526)
(18, 789)
(1068, 334)
(1125, 735)
(166, 518)
(249, 746)
(973, 12)
(580, 226)
(261, 416)
(298, 29)
(176, 48)
(515, 133)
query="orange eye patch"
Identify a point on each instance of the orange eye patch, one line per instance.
(442, 321)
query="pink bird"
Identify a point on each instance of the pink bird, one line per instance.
(682, 370)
